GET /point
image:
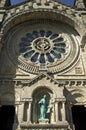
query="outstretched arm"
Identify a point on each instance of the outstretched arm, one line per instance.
(40, 101)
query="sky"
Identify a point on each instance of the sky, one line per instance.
(69, 2)
(16, 1)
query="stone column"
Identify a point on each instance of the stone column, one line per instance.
(56, 111)
(15, 118)
(63, 111)
(29, 111)
(71, 118)
(53, 112)
(20, 112)
(34, 112)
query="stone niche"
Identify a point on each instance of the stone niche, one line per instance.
(55, 114)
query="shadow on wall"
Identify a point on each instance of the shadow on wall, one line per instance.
(7, 87)
(72, 95)
(74, 112)
(84, 2)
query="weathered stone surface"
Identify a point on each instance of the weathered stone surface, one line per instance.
(22, 82)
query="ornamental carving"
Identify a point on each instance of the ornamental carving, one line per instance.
(43, 47)
(45, 44)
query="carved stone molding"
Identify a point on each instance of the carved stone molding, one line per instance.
(55, 58)
(60, 83)
(75, 83)
(49, 6)
(63, 125)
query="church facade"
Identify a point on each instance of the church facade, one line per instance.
(42, 65)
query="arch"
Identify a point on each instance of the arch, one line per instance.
(40, 15)
(43, 89)
(37, 95)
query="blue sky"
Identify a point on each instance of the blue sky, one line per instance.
(69, 2)
(16, 1)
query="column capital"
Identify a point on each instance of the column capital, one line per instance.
(60, 100)
(26, 100)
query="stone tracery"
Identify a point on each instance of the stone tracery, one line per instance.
(43, 47)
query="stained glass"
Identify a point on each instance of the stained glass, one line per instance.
(42, 45)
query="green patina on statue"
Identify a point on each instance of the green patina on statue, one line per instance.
(43, 107)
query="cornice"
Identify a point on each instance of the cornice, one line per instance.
(17, 83)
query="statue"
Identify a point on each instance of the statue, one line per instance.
(43, 107)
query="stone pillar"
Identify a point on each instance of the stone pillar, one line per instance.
(71, 118)
(34, 112)
(56, 111)
(63, 111)
(29, 111)
(53, 113)
(15, 118)
(20, 112)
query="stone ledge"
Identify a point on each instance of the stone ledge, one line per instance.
(26, 125)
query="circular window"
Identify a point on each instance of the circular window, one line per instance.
(43, 47)
(50, 45)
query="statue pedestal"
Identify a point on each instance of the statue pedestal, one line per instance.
(43, 121)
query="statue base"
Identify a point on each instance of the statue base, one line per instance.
(43, 121)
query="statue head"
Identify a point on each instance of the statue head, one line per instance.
(44, 96)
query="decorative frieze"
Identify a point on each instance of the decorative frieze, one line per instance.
(46, 4)
(22, 83)
(75, 83)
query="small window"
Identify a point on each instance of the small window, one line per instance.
(68, 2)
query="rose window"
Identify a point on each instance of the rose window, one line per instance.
(36, 46)
(43, 47)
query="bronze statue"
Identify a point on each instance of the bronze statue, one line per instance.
(43, 107)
